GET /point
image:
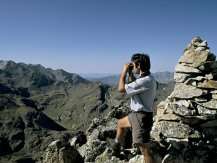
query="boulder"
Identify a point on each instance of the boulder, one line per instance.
(183, 91)
(196, 57)
(59, 152)
(181, 77)
(184, 68)
(174, 130)
(212, 104)
(208, 84)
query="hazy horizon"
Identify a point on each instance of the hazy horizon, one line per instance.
(98, 37)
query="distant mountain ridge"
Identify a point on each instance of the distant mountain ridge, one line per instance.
(28, 75)
(161, 77)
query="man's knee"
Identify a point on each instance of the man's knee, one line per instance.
(123, 122)
(120, 123)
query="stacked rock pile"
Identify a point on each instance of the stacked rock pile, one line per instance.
(187, 120)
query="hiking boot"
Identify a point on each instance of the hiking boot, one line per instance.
(116, 149)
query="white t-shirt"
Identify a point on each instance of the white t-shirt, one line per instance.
(142, 92)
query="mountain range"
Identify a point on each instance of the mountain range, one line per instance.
(38, 105)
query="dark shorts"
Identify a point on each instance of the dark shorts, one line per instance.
(141, 124)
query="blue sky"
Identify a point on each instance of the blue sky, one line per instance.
(99, 36)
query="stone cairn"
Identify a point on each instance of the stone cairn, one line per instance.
(186, 122)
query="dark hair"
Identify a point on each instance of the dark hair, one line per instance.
(143, 60)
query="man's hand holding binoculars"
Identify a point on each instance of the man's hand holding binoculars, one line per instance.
(128, 67)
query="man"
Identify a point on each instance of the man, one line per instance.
(142, 90)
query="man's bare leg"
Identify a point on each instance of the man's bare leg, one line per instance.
(121, 125)
(146, 153)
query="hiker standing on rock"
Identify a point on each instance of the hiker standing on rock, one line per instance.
(141, 88)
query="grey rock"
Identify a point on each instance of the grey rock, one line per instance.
(92, 149)
(207, 84)
(78, 140)
(61, 153)
(182, 110)
(173, 130)
(181, 77)
(209, 76)
(213, 91)
(200, 48)
(214, 96)
(200, 99)
(168, 117)
(196, 40)
(196, 58)
(186, 103)
(183, 68)
(94, 123)
(183, 91)
(191, 81)
(137, 159)
(203, 44)
(106, 157)
(212, 104)
(205, 111)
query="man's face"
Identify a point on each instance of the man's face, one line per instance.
(136, 67)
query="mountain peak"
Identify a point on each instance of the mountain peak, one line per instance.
(26, 75)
